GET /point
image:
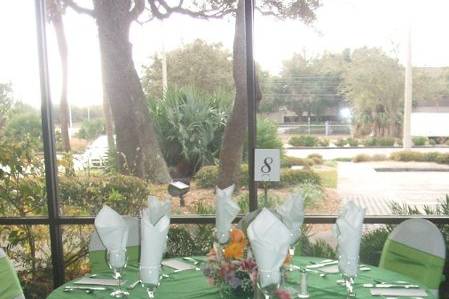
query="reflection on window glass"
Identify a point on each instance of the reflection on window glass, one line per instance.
(358, 109)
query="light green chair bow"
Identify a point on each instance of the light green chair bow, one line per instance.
(416, 249)
(97, 251)
(9, 282)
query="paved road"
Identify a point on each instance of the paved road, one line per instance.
(333, 153)
(376, 190)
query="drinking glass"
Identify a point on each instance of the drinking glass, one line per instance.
(269, 290)
(117, 261)
(150, 279)
(348, 266)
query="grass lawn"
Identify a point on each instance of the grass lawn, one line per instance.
(328, 177)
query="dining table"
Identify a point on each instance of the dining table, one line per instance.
(193, 284)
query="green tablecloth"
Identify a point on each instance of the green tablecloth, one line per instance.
(192, 284)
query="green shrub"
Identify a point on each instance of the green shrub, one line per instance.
(361, 158)
(406, 156)
(290, 178)
(385, 141)
(442, 158)
(24, 123)
(366, 158)
(125, 194)
(323, 141)
(288, 161)
(91, 129)
(190, 126)
(371, 141)
(419, 140)
(303, 140)
(352, 142)
(267, 134)
(206, 177)
(316, 158)
(372, 244)
(341, 142)
(189, 240)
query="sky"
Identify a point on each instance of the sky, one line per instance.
(340, 24)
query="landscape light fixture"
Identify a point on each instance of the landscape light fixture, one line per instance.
(179, 189)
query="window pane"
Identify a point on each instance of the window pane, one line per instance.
(22, 184)
(124, 132)
(333, 100)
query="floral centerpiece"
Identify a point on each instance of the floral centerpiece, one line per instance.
(233, 270)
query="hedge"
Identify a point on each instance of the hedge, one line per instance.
(206, 177)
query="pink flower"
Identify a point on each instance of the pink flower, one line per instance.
(282, 294)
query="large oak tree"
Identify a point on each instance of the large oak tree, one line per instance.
(136, 139)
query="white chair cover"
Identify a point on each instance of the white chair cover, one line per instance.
(422, 235)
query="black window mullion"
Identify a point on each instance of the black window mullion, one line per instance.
(48, 135)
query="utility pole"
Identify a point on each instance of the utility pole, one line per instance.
(406, 138)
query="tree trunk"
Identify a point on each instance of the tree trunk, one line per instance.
(108, 122)
(58, 26)
(139, 151)
(235, 131)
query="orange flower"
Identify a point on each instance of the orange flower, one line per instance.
(234, 251)
(237, 236)
(288, 259)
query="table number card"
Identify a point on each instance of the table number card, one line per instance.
(267, 165)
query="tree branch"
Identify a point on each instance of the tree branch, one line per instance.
(139, 6)
(78, 8)
(204, 14)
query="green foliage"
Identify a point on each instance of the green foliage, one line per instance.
(303, 140)
(419, 140)
(288, 161)
(406, 156)
(341, 142)
(189, 240)
(323, 142)
(290, 178)
(267, 135)
(201, 65)
(207, 176)
(385, 141)
(316, 158)
(125, 194)
(24, 121)
(190, 126)
(373, 85)
(318, 248)
(366, 158)
(352, 142)
(328, 177)
(313, 80)
(361, 158)
(372, 244)
(6, 101)
(371, 141)
(91, 129)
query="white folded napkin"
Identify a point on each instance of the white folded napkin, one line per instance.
(158, 209)
(348, 229)
(292, 213)
(154, 239)
(226, 211)
(113, 232)
(269, 239)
